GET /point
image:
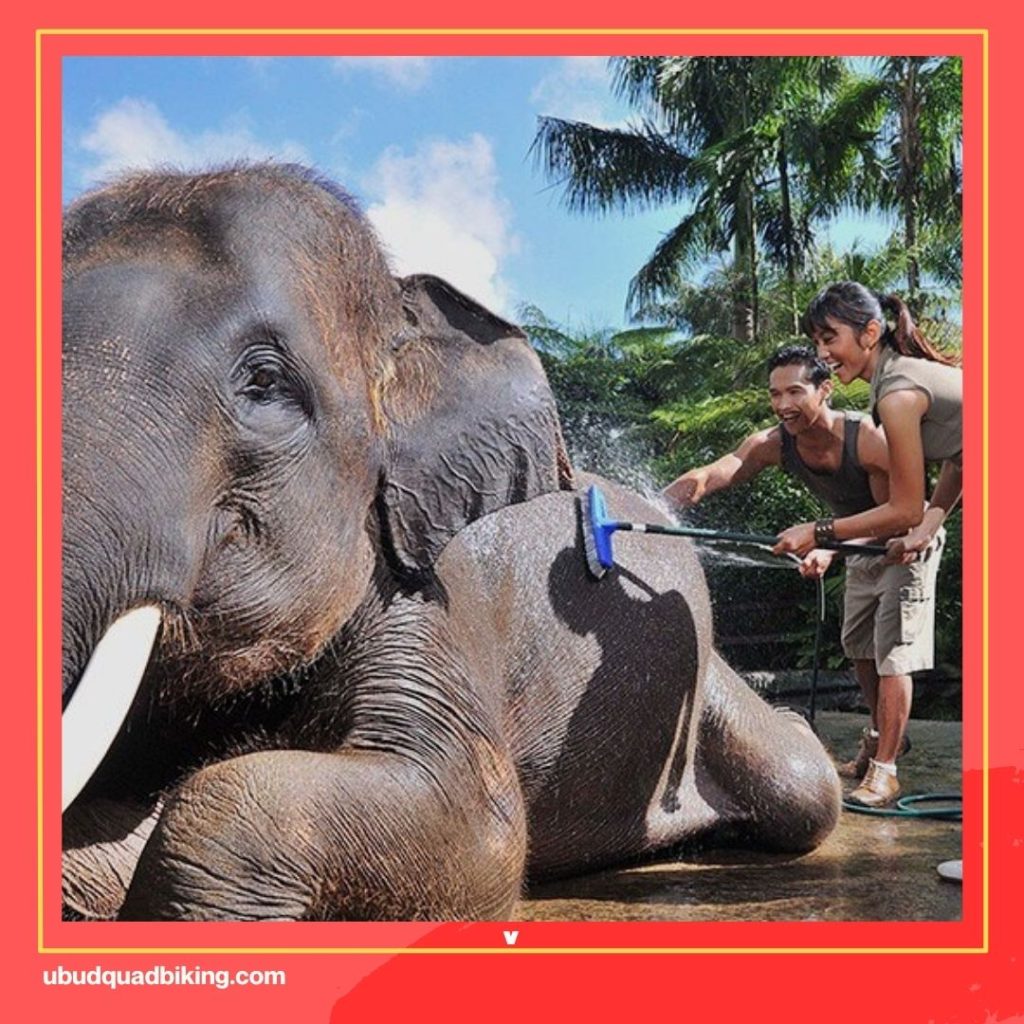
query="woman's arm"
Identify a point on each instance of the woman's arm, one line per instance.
(943, 501)
(900, 413)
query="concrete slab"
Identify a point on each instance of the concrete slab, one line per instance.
(869, 869)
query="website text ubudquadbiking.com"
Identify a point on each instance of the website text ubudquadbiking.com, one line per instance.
(160, 975)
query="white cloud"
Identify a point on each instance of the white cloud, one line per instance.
(264, 69)
(440, 211)
(134, 134)
(408, 74)
(579, 89)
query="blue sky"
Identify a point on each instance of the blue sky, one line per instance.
(435, 149)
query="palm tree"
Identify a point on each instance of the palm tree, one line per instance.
(739, 140)
(921, 145)
(826, 160)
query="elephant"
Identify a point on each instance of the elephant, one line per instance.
(382, 684)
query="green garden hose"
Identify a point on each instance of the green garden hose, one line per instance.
(904, 807)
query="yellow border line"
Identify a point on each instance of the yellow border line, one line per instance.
(292, 950)
(511, 32)
(514, 32)
(511, 951)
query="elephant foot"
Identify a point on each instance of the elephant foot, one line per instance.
(782, 790)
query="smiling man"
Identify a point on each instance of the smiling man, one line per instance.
(842, 458)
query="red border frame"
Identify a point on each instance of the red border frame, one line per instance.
(991, 948)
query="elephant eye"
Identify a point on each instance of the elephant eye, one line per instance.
(263, 384)
(266, 375)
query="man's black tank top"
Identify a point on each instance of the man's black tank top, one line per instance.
(847, 490)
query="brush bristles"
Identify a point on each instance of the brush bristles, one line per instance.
(594, 566)
(597, 531)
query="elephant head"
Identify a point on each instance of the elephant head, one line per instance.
(257, 417)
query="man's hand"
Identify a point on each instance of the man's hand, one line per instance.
(816, 563)
(687, 489)
(799, 540)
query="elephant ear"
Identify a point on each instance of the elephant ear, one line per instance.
(472, 423)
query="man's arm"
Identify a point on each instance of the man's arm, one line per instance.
(757, 452)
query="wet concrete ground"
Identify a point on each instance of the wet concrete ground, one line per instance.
(869, 869)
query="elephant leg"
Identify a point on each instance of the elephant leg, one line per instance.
(102, 842)
(355, 835)
(776, 785)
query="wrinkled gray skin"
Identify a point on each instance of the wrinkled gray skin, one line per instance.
(385, 686)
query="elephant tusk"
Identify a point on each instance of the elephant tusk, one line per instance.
(103, 696)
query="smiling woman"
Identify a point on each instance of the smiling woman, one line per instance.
(917, 397)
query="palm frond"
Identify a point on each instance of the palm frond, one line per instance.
(610, 169)
(679, 250)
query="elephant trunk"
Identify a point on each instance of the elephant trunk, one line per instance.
(121, 549)
(103, 578)
(127, 556)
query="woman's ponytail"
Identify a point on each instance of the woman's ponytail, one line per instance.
(906, 336)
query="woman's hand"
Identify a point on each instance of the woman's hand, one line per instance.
(816, 563)
(797, 539)
(908, 548)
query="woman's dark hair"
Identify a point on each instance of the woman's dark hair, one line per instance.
(851, 303)
(805, 356)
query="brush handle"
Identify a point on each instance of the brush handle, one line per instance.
(764, 539)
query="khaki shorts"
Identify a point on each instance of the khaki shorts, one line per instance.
(889, 611)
